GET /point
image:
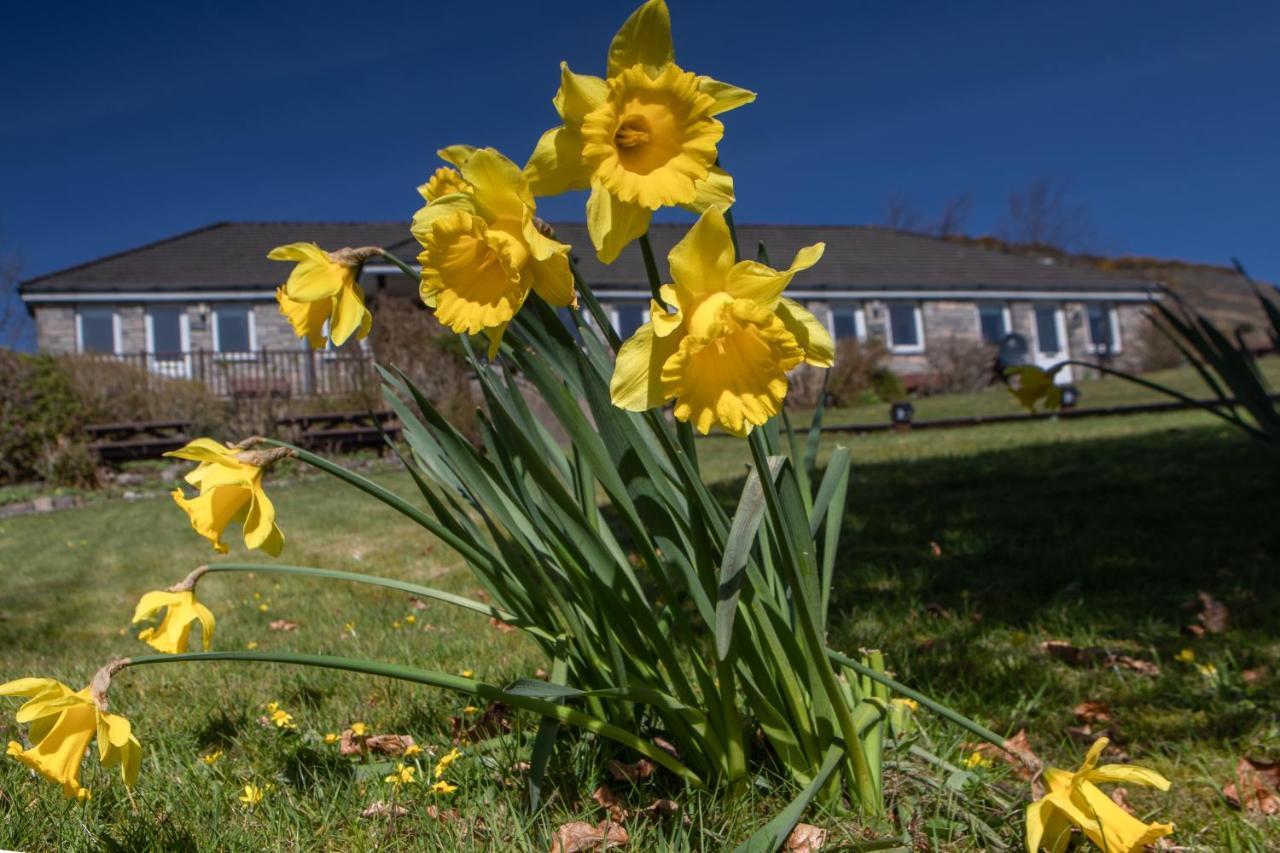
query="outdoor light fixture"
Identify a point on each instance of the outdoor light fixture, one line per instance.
(900, 414)
(1070, 396)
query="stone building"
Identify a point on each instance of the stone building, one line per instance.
(207, 297)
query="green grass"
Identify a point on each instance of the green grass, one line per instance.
(1097, 532)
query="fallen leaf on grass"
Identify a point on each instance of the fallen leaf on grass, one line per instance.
(1256, 788)
(1017, 753)
(1120, 797)
(283, 625)
(384, 809)
(1092, 711)
(667, 747)
(1095, 655)
(661, 808)
(1213, 615)
(606, 798)
(496, 720)
(1254, 675)
(1086, 734)
(805, 838)
(388, 744)
(935, 549)
(495, 622)
(577, 836)
(641, 769)
(417, 603)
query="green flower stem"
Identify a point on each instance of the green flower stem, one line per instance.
(402, 586)
(489, 692)
(733, 234)
(651, 267)
(404, 267)
(898, 687)
(594, 308)
(468, 551)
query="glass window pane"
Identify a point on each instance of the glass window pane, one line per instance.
(97, 331)
(233, 329)
(166, 330)
(902, 325)
(844, 319)
(1047, 330)
(1100, 327)
(631, 316)
(991, 318)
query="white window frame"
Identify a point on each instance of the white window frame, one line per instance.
(1006, 316)
(918, 316)
(237, 355)
(184, 328)
(1113, 320)
(117, 339)
(1059, 325)
(329, 352)
(615, 318)
(859, 319)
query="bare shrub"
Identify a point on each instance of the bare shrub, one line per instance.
(1155, 349)
(111, 391)
(958, 363)
(854, 376)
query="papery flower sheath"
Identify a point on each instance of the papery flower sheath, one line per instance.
(322, 288)
(62, 724)
(230, 484)
(181, 610)
(1075, 800)
(724, 340)
(643, 138)
(482, 248)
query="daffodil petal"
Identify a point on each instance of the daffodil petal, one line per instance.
(501, 192)
(813, 337)
(578, 95)
(637, 374)
(457, 155)
(763, 284)
(644, 39)
(716, 189)
(613, 223)
(703, 258)
(727, 97)
(556, 165)
(1128, 774)
(349, 315)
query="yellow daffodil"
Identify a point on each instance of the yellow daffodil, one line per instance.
(63, 722)
(643, 138)
(444, 181)
(230, 484)
(443, 787)
(1074, 800)
(323, 289)
(211, 758)
(1034, 385)
(359, 729)
(181, 610)
(252, 795)
(482, 248)
(403, 775)
(723, 355)
(445, 760)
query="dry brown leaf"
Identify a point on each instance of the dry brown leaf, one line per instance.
(667, 747)
(1017, 753)
(388, 744)
(935, 549)
(1254, 675)
(1095, 655)
(283, 625)
(1196, 631)
(417, 603)
(496, 720)
(641, 769)
(1120, 797)
(495, 622)
(577, 836)
(1213, 615)
(384, 809)
(1256, 787)
(1142, 667)
(661, 808)
(805, 838)
(351, 743)
(606, 798)
(1092, 711)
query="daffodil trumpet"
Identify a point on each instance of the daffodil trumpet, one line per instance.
(322, 298)
(229, 479)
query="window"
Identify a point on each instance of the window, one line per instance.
(1048, 341)
(233, 328)
(993, 321)
(628, 317)
(904, 327)
(847, 322)
(165, 326)
(98, 330)
(1103, 337)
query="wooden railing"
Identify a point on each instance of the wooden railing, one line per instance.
(263, 373)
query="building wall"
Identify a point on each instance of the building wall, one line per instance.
(55, 329)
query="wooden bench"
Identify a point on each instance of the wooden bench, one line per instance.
(342, 430)
(118, 442)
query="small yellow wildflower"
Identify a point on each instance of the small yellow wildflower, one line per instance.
(1186, 656)
(445, 760)
(251, 645)
(977, 759)
(411, 750)
(1208, 670)
(257, 595)
(358, 729)
(330, 737)
(443, 787)
(403, 775)
(211, 758)
(283, 720)
(909, 704)
(467, 673)
(411, 619)
(470, 710)
(350, 627)
(263, 608)
(396, 625)
(252, 795)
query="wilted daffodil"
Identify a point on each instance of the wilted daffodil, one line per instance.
(62, 724)
(723, 355)
(230, 484)
(181, 610)
(642, 139)
(1034, 385)
(1075, 800)
(482, 248)
(323, 289)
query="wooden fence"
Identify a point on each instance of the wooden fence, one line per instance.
(264, 373)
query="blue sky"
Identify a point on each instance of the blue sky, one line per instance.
(129, 122)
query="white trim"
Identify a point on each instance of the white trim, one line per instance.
(904, 349)
(1006, 317)
(1113, 320)
(1059, 326)
(253, 334)
(153, 296)
(615, 319)
(117, 343)
(859, 318)
(184, 329)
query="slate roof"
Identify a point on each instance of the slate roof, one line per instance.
(231, 256)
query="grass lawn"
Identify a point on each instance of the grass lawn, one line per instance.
(964, 550)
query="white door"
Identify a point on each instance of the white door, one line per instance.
(168, 341)
(1050, 344)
